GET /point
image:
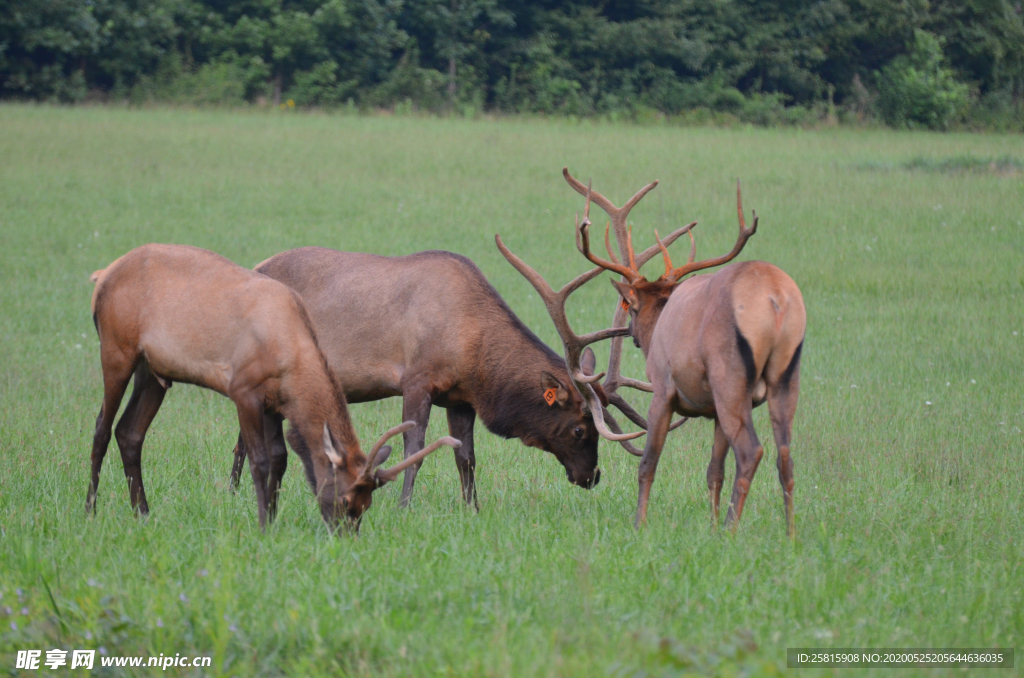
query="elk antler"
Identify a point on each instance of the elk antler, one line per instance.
(573, 343)
(371, 458)
(675, 274)
(627, 270)
(382, 476)
(617, 214)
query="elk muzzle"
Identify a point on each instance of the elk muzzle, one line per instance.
(587, 481)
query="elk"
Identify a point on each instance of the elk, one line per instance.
(167, 313)
(430, 328)
(716, 346)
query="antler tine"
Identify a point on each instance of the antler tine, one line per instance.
(371, 458)
(664, 252)
(637, 196)
(583, 244)
(629, 246)
(598, 411)
(608, 244)
(614, 426)
(602, 202)
(586, 205)
(664, 248)
(651, 251)
(741, 240)
(739, 205)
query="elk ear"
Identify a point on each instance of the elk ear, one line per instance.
(554, 391)
(336, 459)
(627, 293)
(383, 455)
(588, 361)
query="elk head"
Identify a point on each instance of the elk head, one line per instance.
(563, 425)
(642, 298)
(346, 491)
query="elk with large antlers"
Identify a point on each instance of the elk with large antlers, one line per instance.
(167, 313)
(716, 346)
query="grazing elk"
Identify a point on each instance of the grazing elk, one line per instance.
(716, 346)
(430, 328)
(168, 313)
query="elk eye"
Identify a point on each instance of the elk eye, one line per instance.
(578, 432)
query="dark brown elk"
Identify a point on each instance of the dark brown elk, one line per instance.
(430, 328)
(167, 313)
(716, 346)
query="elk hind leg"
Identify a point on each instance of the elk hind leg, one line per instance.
(237, 464)
(782, 408)
(117, 372)
(716, 470)
(460, 426)
(147, 396)
(738, 424)
(416, 405)
(273, 432)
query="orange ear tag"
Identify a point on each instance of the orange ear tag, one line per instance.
(549, 397)
(625, 305)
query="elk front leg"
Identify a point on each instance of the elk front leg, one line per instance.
(117, 372)
(658, 419)
(273, 432)
(238, 464)
(147, 396)
(716, 470)
(416, 404)
(460, 426)
(250, 421)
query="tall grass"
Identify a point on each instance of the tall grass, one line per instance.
(907, 441)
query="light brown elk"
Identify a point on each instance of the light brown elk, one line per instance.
(167, 313)
(716, 346)
(430, 328)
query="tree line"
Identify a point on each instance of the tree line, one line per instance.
(915, 63)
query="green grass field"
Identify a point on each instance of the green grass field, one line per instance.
(907, 440)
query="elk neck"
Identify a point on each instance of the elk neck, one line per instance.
(507, 394)
(311, 398)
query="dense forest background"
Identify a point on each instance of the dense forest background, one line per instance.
(916, 63)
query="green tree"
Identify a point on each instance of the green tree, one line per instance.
(917, 89)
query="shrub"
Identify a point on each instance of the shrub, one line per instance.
(917, 89)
